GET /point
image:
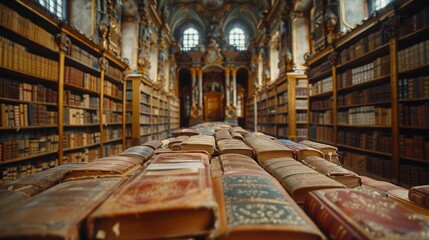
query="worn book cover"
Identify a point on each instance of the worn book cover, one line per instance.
(301, 151)
(154, 144)
(143, 152)
(234, 146)
(237, 135)
(57, 213)
(420, 195)
(222, 134)
(10, 198)
(172, 198)
(199, 142)
(257, 207)
(267, 149)
(329, 152)
(354, 214)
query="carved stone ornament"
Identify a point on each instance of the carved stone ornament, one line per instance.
(63, 42)
(212, 4)
(196, 112)
(213, 55)
(230, 112)
(104, 64)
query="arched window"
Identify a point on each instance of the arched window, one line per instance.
(190, 39)
(379, 4)
(56, 7)
(238, 38)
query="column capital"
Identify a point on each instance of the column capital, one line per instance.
(199, 71)
(193, 71)
(227, 71)
(234, 71)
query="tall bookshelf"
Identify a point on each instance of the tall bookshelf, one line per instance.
(250, 113)
(262, 112)
(55, 85)
(369, 95)
(150, 113)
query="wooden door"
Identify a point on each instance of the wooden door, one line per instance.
(213, 107)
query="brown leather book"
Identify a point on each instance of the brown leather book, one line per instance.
(234, 146)
(301, 151)
(298, 179)
(231, 162)
(11, 198)
(143, 152)
(420, 195)
(222, 134)
(237, 135)
(380, 186)
(57, 213)
(268, 149)
(257, 207)
(172, 198)
(176, 142)
(331, 170)
(329, 152)
(199, 142)
(189, 131)
(354, 214)
(240, 130)
(154, 144)
(114, 166)
(38, 182)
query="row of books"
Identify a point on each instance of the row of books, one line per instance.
(77, 77)
(370, 140)
(414, 146)
(413, 88)
(322, 68)
(112, 133)
(364, 45)
(74, 116)
(413, 175)
(113, 149)
(115, 73)
(301, 104)
(83, 155)
(321, 133)
(80, 138)
(83, 57)
(414, 115)
(366, 116)
(16, 57)
(113, 89)
(13, 21)
(144, 119)
(112, 105)
(112, 117)
(27, 145)
(282, 109)
(23, 91)
(22, 169)
(322, 86)
(414, 56)
(282, 131)
(378, 68)
(81, 100)
(322, 117)
(26, 115)
(375, 94)
(282, 118)
(365, 164)
(321, 104)
(415, 22)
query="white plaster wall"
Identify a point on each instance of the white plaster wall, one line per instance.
(129, 42)
(352, 13)
(301, 40)
(82, 16)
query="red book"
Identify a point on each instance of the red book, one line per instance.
(419, 195)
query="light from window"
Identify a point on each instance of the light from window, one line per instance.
(54, 6)
(190, 39)
(237, 39)
(379, 4)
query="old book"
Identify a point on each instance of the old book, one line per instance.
(301, 151)
(240, 130)
(142, 152)
(354, 214)
(177, 141)
(199, 142)
(381, 187)
(401, 196)
(154, 144)
(257, 207)
(231, 161)
(267, 149)
(57, 213)
(38, 182)
(330, 152)
(237, 135)
(172, 198)
(420, 195)
(222, 134)
(298, 179)
(234, 146)
(331, 170)
(114, 166)
(11, 198)
(189, 131)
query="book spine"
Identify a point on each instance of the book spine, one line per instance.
(418, 198)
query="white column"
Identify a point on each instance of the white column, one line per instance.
(227, 84)
(234, 87)
(194, 85)
(200, 86)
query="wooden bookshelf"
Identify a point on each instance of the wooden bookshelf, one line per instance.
(173, 113)
(55, 84)
(376, 110)
(250, 114)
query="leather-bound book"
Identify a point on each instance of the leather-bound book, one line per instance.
(57, 213)
(199, 142)
(298, 179)
(174, 144)
(380, 186)
(206, 131)
(330, 152)
(232, 162)
(331, 170)
(222, 134)
(143, 152)
(240, 130)
(114, 166)
(38, 182)
(301, 151)
(257, 207)
(354, 214)
(237, 135)
(267, 149)
(189, 131)
(154, 144)
(172, 198)
(234, 146)
(10, 198)
(420, 195)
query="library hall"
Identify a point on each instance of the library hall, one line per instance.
(214, 119)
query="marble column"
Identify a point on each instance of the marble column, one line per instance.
(234, 86)
(227, 85)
